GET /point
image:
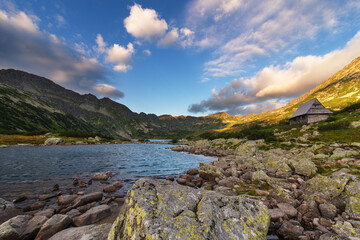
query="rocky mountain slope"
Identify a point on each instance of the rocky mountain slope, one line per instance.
(337, 92)
(38, 104)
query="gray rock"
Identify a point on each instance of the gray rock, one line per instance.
(88, 198)
(54, 141)
(157, 209)
(331, 236)
(73, 213)
(328, 211)
(66, 199)
(288, 209)
(113, 187)
(91, 232)
(8, 210)
(290, 231)
(13, 228)
(32, 227)
(55, 224)
(47, 212)
(101, 176)
(93, 215)
(276, 213)
(346, 230)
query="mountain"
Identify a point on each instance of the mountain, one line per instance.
(335, 93)
(30, 103)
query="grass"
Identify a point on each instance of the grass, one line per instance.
(20, 139)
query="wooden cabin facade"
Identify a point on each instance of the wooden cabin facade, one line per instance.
(311, 111)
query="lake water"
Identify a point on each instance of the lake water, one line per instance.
(33, 166)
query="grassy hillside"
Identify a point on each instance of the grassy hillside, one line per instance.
(35, 104)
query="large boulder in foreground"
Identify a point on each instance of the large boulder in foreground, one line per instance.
(157, 209)
(91, 232)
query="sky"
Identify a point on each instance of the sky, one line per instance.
(182, 57)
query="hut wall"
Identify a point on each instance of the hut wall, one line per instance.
(299, 119)
(317, 118)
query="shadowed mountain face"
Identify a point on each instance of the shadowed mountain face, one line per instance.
(32, 103)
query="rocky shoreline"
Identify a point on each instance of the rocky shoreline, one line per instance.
(306, 192)
(304, 201)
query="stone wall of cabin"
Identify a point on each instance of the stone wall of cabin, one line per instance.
(299, 119)
(317, 118)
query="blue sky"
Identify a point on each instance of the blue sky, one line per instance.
(178, 57)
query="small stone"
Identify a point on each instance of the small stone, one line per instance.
(66, 199)
(170, 178)
(19, 199)
(113, 187)
(181, 181)
(47, 196)
(55, 188)
(80, 193)
(100, 176)
(192, 171)
(276, 213)
(328, 211)
(47, 213)
(290, 231)
(89, 182)
(73, 213)
(75, 182)
(83, 185)
(288, 209)
(93, 215)
(34, 206)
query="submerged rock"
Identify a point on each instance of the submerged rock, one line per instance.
(157, 209)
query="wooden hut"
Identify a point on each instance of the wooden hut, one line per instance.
(311, 111)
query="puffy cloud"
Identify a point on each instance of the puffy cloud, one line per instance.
(108, 91)
(145, 23)
(170, 38)
(101, 45)
(279, 82)
(120, 56)
(23, 46)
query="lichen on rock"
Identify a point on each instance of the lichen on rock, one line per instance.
(157, 209)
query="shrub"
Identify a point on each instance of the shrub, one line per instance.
(334, 126)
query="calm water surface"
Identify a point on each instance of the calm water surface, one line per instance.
(29, 165)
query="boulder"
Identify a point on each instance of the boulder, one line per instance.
(54, 141)
(331, 236)
(340, 153)
(47, 212)
(355, 124)
(328, 187)
(8, 210)
(276, 213)
(327, 210)
(288, 230)
(93, 215)
(346, 230)
(157, 209)
(66, 199)
(34, 206)
(44, 197)
(353, 207)
(13, 228)
(101, 176)
(170, 178)
(192, 171)
(112, 187)
(73, 213)
(91, 232)
(33, 226)
(86, 207)
(209, 172)
(288, 209)
(55, 224)
(181, 181)
(304, 167)
(88, 198)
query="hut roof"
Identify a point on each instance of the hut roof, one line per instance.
(305, 108)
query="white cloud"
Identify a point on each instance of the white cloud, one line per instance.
(242, 32)
(20, 20)
(23, 46)
(120, 56)
(145, 23)
(147, 52)
(170, 38)
(101, 45)
(279, 82)
(60, 20)
(108, 91)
